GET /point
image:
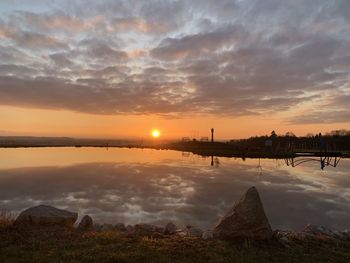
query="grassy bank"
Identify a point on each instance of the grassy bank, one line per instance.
(55, 245)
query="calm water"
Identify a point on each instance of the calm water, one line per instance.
(133, 185)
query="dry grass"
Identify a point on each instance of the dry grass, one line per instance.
(6, 219)
(66, 245)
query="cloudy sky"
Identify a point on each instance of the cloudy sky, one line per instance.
(120, 68)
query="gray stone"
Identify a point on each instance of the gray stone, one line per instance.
(181, 232)
(46, 215)
(97, 227)
(346, 232)
(246, 219)
(315, 230)
(107, 227)
(86, 224)
(285, 242)
(120, 227)
(319, 230)
(129, 229)
(207, 234)
(170, 229)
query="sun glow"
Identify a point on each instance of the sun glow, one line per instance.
(155, 133)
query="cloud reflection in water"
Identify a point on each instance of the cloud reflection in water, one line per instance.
(183, 192)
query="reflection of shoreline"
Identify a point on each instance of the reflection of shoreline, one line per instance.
(323, 160)
(203, 152)
(219, 149)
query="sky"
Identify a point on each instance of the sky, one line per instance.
(119, 69)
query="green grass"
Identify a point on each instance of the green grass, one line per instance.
(57, 245)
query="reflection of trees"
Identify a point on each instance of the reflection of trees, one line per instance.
(324, 161)
(185, 154)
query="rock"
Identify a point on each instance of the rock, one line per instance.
(280, 233)
(97, 227)
(147, 229)
(86, 224)
(46, 215)
(285, 242)
(120, 227)
(340, 235)
(129, 229)
(346, 232)
(193, 231)
(318, 230)
(207, 234)
(107, 227)
(181, 232)
(324, 231)
(170, 229)
(246, 219)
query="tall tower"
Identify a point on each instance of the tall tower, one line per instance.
(212, 134)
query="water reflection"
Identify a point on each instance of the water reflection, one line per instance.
(323, 160)
(169, 186)
(215, 162)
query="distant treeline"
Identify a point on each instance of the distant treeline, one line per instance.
(338, 140)
(29, 141)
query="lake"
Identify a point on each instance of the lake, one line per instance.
(134, 185)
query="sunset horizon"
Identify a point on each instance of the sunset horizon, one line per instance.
(175, 131)
(117, 69)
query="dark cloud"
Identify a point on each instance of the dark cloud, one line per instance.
(227, 58)
(33, 40)
(99, 50)
(198, 44)
(329, 116)
(61, 60)
(51, 22)
(333, 110)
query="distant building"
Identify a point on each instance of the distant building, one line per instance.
(204, 139)
(186, 139)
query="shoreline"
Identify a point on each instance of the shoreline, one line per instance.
(201, 151)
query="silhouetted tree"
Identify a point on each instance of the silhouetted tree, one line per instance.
(273, 135)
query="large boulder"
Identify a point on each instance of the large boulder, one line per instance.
(245, 220)
(86, 224)
(44, 215)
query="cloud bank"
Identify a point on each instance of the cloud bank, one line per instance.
(231, 58)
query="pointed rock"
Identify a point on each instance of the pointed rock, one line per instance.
(246, 219)
(86, 224)
(46, 215)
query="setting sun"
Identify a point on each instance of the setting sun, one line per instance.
(155, 133)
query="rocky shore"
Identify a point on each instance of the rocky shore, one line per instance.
(45, 234)
(246, 220)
